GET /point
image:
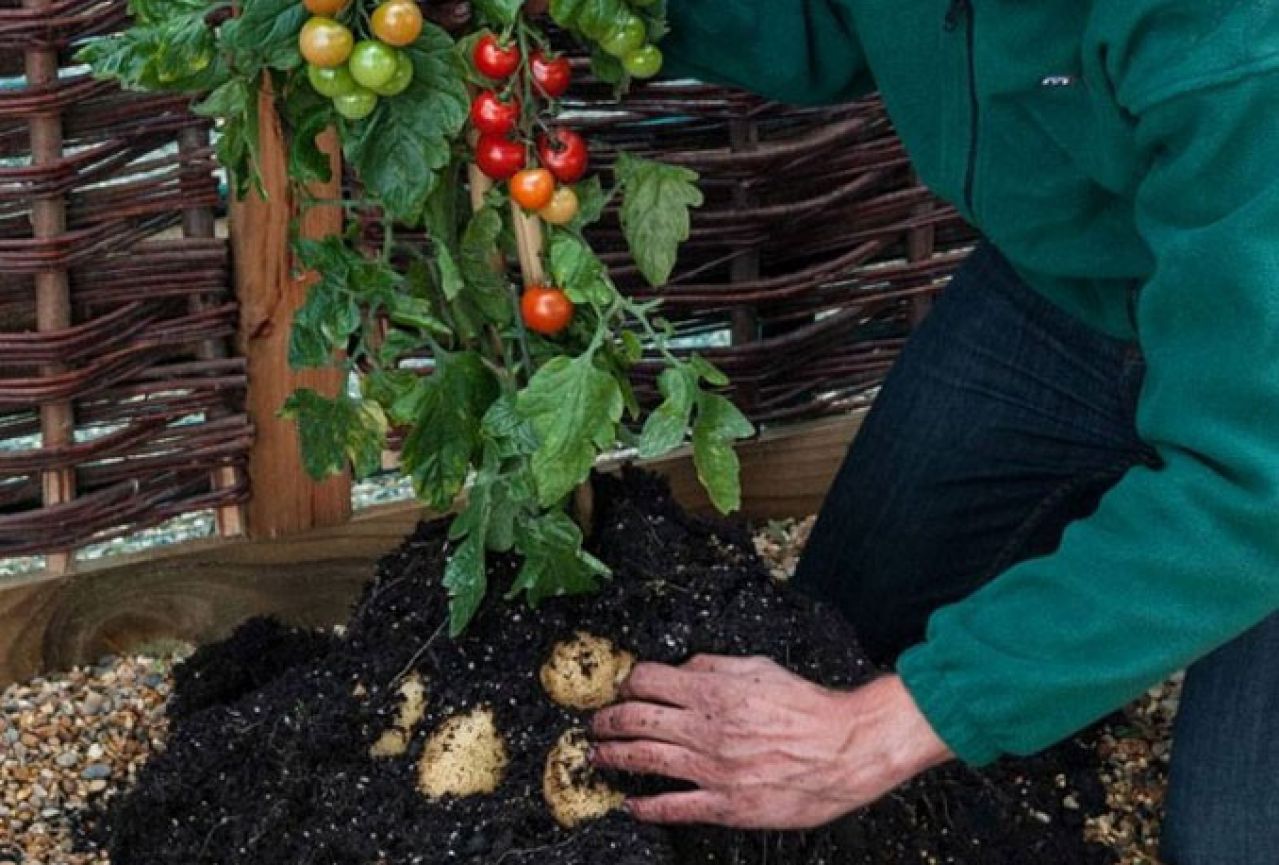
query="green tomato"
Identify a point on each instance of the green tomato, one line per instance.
(333, 82)
(374, 64)
(593, 24)
(644, 62)
(625, 37)
(356, 105)
(400, 81)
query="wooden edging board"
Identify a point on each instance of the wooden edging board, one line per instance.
(199, 591)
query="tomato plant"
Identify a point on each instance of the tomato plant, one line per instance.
(526, 390)
(546, 310)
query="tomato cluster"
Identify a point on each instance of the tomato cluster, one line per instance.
(356, 73)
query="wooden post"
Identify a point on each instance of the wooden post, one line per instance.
(285, 500)
(53, 289)
(200, 222)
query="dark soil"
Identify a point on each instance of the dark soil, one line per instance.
(268, 764)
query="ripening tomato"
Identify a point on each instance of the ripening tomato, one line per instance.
(564, 153)
(644, 62)
(491, 116)
(499, 158)
(546, 310)
(330, 82)
(401, 80)
(533, 188)
(325, 43)
(374, 64)
(397, 22)
(356, 105)
(552, 75)
(327, 8)
(625, 36)
(562, 208)
(494, 60)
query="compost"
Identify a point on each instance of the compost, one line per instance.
(269, 759)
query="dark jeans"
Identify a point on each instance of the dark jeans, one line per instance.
(1004, 421)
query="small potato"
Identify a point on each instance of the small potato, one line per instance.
(573, 792)
(465, 757)
(585, 673)
(395, 741)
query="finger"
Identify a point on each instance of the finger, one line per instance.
(725, 664)
(658, 683)
(652, 758)
(646, 721)
(697, 806)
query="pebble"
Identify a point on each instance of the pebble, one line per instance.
(71, 740)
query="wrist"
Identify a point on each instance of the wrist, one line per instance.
(885, 713)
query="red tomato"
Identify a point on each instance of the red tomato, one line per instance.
(551, 75)
(491, 116)
(565, 154)
(494, 60)
(546, 310)
(533, 188)
(499, 158)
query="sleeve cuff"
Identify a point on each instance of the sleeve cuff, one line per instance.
(944, 708)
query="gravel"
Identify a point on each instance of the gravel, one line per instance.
(72, 741)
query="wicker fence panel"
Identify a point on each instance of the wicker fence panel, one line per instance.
(120, 402)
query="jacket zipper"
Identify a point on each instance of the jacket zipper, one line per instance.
(963, 9)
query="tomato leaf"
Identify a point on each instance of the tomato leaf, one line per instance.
(554, 562)
(400, 150)
(574, 408)
(667, 427)
(591, 203)
(718, 425)
(307, 114)
(265, 35)
(170, 47)
(330, 315)
(450, 406)
(579, 271)
(482, 274)
(466, 579)
(655, 212)
(337, 432)
(500, 13)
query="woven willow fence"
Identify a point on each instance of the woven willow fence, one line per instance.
(120, 394)
(117, 395)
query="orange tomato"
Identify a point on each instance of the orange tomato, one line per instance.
(533, 188)
(562, 208)
(398, 22)
(327, 8)
(325, 43)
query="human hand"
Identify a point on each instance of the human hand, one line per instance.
(766, 748)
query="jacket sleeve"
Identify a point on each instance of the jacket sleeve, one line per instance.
(1180, 559)
(802, 52)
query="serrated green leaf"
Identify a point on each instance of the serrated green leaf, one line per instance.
(554, 562)
(500, 13)
(307, 114)
(480, 256)
(574, 408)
(508, 430)
(265, 35)
(466, 578)
(439, 449)
(708, 372)
(578, 270)
(400, 150)
(655, 212)
(591, 201)
(667, 427)
(337, 432)
(718, 425)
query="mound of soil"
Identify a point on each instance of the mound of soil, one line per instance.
(268, 761)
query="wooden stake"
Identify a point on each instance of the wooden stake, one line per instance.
(53, 289)
(286, 501)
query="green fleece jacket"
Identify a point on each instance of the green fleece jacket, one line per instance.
(1102, 146)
